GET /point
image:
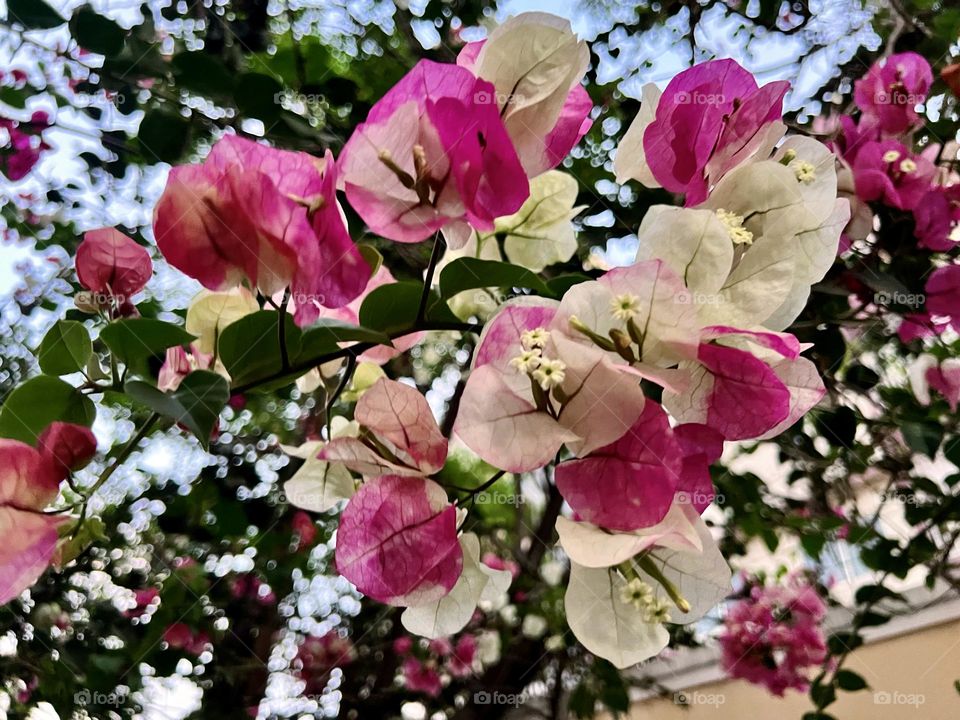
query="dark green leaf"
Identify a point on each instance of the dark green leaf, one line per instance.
(922, 437)
(875, 593)
(258, 96)
(392, 308)
(196, 404)
(250, 347)
(469, 273)
(14, 97)
(96, 33)
(842, 642)
(823, 695)
(561, 283)
(33, 14)
(850, 681)
(65, 349)
(873, 619)
(163, 135)
(28, 410)
(326, 335)
(202, 73)
(134, 339)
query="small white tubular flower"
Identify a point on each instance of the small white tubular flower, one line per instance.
(625, 307)
(734, 225)
(550, 373)
(891, 156)
(805, 172)
(907, 166)
(637, 593)
(527, 361)
(536, 338)
(656, 611)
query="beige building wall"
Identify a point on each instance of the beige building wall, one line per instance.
(911, 677)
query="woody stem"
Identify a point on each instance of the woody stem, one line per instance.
(428, 282)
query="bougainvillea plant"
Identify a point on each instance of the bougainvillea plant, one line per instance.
(496, 436)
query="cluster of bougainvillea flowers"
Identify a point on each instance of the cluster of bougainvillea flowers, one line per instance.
(447, 148)
(30, 480)
(699, 314)
(317, 656)
(883, 170)
(426, 668)
(23, 144)
(637, 377)
(774, 636)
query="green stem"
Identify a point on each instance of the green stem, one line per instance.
(282, 333)
(648, 566)
(344, 381)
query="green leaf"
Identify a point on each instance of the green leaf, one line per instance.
(850, 681)
(93, 529)
(203, 73)
(823, 695)
(469, 273)
(14, 97)
(163, 135)
(922, 437)
(33, 14)
(196, 404)
(842, 642)
(250, 347)
(326, 335)
(28, 410)
(813, 544)
(96, 33)
(873, 619)
(258, 96)
(65, 348)
(561, 283)
(874, 593)
(134, 339)
(393, 308)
